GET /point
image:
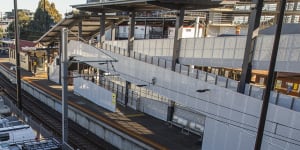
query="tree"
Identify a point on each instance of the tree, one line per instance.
(1, 33)
(24, 20)
(45, 16)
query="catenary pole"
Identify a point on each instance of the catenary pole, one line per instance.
(265, 103)
(18, 73)
(64, 64)
(253, 28)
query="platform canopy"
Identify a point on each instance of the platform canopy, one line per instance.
(90, 26)
(147, 5)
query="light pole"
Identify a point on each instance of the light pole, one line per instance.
(18, 74)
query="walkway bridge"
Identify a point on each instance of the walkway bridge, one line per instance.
(222, 51)
(231, 118)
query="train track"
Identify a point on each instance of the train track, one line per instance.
(79, 137)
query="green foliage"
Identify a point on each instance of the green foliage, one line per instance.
(50, 9)
(24, 20)
(1, 32)
(44, 17)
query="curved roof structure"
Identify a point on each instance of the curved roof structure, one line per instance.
(90, 26)
(147, 5)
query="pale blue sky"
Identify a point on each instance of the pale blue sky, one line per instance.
(62, 6)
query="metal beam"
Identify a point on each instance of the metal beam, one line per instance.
(254, 22)
(176, 52)
(196, 34)
(113, 31)
(265, 104)
(102, 29)
(97, 30)
(165, 5)
(127, 87)
(121, 8)
(91, 9)
(80, 29)
(131, 32)
(69, 26)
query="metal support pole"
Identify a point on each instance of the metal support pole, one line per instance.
(64, 64)
(254, 22)
(196, 34)
(127, 86)
(145, 32)
(163, 29)
(48, 62)
(113, 32)
(78, 68)
(274, 80)
(171, 109)
(177, 38)
(17, 46)
(131, 33)
(176, 52)
(206, 24)
(60, 58)
(265, 104)
(80, 29)
(102, 29)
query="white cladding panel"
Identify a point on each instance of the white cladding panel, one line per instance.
(225, 51)
(154, 108)
(95, 93)
(54, 71)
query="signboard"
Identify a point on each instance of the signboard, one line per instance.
(28, 48)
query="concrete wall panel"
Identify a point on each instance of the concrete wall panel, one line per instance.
(72, 115)
(100, 131)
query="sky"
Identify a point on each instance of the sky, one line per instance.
(62, 6)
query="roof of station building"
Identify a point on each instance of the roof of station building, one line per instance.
(148, 5)
(90, 26)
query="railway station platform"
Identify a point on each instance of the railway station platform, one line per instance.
(142, 127)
